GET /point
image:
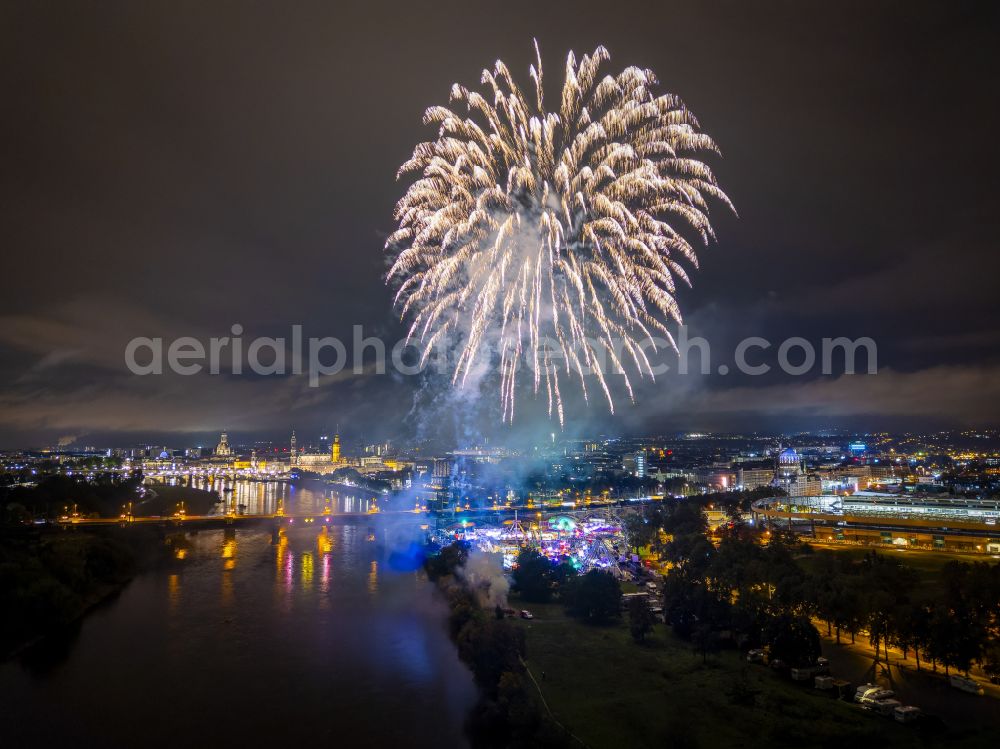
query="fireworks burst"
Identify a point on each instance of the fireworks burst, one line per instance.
(545, 234)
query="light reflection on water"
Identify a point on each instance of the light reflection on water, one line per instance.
(265, 497)
(305, 634)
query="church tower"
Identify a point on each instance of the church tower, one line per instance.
(335, 449)
(293, 459)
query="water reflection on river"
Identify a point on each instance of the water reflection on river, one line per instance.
(264, 497)
(250, 639)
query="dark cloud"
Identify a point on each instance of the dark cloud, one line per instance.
(174, 168)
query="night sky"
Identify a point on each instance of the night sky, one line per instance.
(173, 168)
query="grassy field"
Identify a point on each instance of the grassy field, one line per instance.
(612, 692)
(927, 564)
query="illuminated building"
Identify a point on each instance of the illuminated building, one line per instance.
(635, 464)
(986, 511)
(223, 450)
(326, 461)
(791, 477)
(789, 464)
(293, 458)
(754, 478)
(442, 468)
(898, 519)
(803, 485)
(718, 480)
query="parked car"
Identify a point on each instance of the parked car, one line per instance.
(886, 707)
(867, 694)
(837, 688)
(823, 682)
(755, 656)
(966, 685)
(525, 614)
(906, 713)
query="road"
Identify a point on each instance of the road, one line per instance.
(929, 691)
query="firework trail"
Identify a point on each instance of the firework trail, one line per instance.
(552, 234)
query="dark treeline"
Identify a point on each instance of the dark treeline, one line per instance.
(29, 473)
(754, 590)
(594, 597)
(105, 495)
(55, 494)
(610, 481)
(643, 529)
(508, 713)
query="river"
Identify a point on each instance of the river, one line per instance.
(251, 639)
(265, 497)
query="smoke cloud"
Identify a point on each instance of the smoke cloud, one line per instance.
(485, 579)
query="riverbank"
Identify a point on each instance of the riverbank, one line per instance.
(510, 711)
(49, 580)
(612, 692)
(163, 499)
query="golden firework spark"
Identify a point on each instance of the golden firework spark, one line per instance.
(553, 235)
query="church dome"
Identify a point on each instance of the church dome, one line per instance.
(788, 456)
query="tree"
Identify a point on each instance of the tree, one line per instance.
(639, 531)
(956, 638)
(595, 597)
(920, 616)
(793, 639)
(823, 587)
(16, 514)
(901, 628)
(735, 516)
(691, 551)
(685, 518)
(852, 610)
(533, 576)
(705, 640)
(561, 574)
(679, 591)
(941, 638)
(991, 660)
(783, 538)
(640, 617)
(446, 561)
(491, 647)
